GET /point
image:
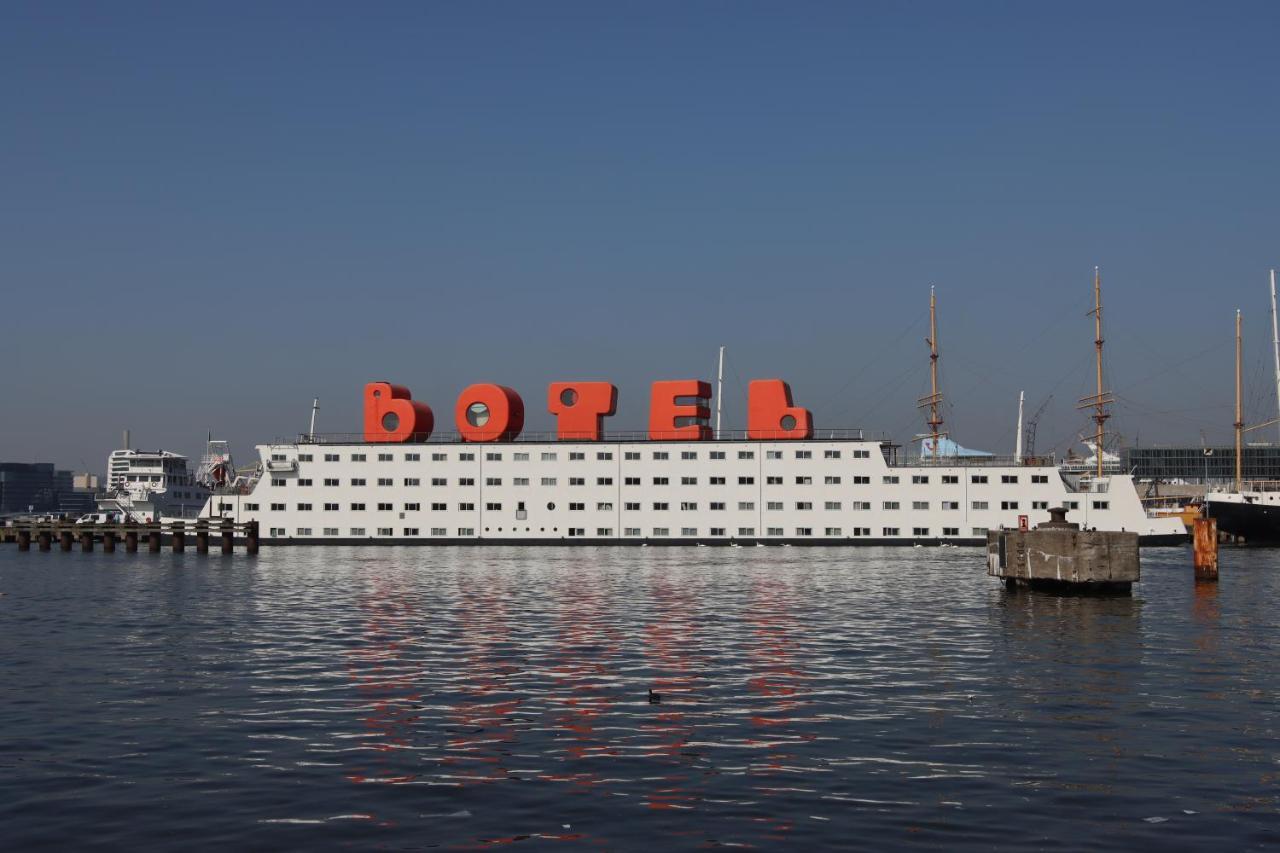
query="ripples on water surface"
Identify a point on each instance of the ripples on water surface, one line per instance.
(471, 697)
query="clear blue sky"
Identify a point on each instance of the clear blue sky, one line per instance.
(214, 212)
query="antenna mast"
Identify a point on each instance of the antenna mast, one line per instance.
(1099, 400)
(720, 389)
(1017, 449)
(935, 397)
(315, 406)
(1239, 424)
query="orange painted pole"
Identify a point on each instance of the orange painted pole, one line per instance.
(1205, 536)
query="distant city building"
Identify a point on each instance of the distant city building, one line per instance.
(85, 482)
(1197, 464)
(39, 487)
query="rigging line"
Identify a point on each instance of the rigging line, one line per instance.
(1176, 365)
(867, 365)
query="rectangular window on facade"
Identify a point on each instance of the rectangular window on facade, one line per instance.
(661, 531)
(466, 481)
(577, 456)
(439, 531)
(832, 531)
(412, 481)
(467, 507)
(951, 531)
(889, 479)
(804, 454)
(604, 456)
(804, 505)
(919, 504)
(1039, 478)
(717, 531)
(746, 505)
(385, 507)
(250, 507)
(717, 481)
(980, 505)
(804, 481)
(631, 507)
(548, 456)
(304, 481)
(604, 531)
(717, 505)
(862, 454)
(831, 481)
(438, 457)
(358, 457)
(688, 531)
(630, 481)
(520, 481)
(660, 481)
(688, 454)
(861, 531)
(919, 531)
(632, 456)
(330, 507)
(466, 531)
(661, 454)
(832, 505)
(384, 457)
(439, 481)
(277, 507)
(889, 531)
(1102, 505)
(717, 454)
(493, 481)
(496, 507)
(920, 479)
(604, 506)
(773, 454)
(631, 531)
(978, 479)
(746, 481)
(357, 507)
(1008, 504)
(773, 506)
(304, 507)
(950, 479)
(331, 457)
(661, 506)
(890, 505)
(861, 505)
(688, 506)
(604, 481)
(979, 531)
(304, 531)
(831, 454)
(520, 457)
(438, 507)
(861, 481)
(1073, 504)
(1039, 504)
(951, 504)
(577, 481)
(746, 454)
(688, 481)
(331, 481)
(384, 481)
(466, 457)
(1008, 478)
(773, 481)
(413, 457)
(492, 456)
(577, 507)
(277, 481)
(412, 507)
(746, 531)
(357, 531)
(411, 531)
(385, 531)
(773, 531)
(548, 481)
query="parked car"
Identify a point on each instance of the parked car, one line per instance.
(101, 518)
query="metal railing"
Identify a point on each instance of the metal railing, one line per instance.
(616, 437)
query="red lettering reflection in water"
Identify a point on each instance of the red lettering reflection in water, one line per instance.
(387, 684)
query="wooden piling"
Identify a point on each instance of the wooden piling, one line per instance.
(24, 540)
(86, 541)
(251, 538)
(109, 540)
(1205, 537)
(64, 539)
(153, 537)
(228, 537)
(178, 537)
(202, 537)
(131, 539)
(45, 539)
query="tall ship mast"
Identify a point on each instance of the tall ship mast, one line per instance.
(1101, 398)
(934, 400)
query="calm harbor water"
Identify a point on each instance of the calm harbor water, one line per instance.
(417, 697)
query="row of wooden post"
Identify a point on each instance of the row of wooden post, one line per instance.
(177, 538)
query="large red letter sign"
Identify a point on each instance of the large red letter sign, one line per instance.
(391, 416)
(580, 408)
(770, 414)
(489, 413)
(670, 419)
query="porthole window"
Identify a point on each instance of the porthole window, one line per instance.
(390, 421)
(568, 396)
(551, 506)
(477, 414)
(788, 422)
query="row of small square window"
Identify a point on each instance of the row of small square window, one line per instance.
(685, 506)
(831, 480)
(636, 531)
(574, 456)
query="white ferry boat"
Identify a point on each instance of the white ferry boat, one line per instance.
(145, 485)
